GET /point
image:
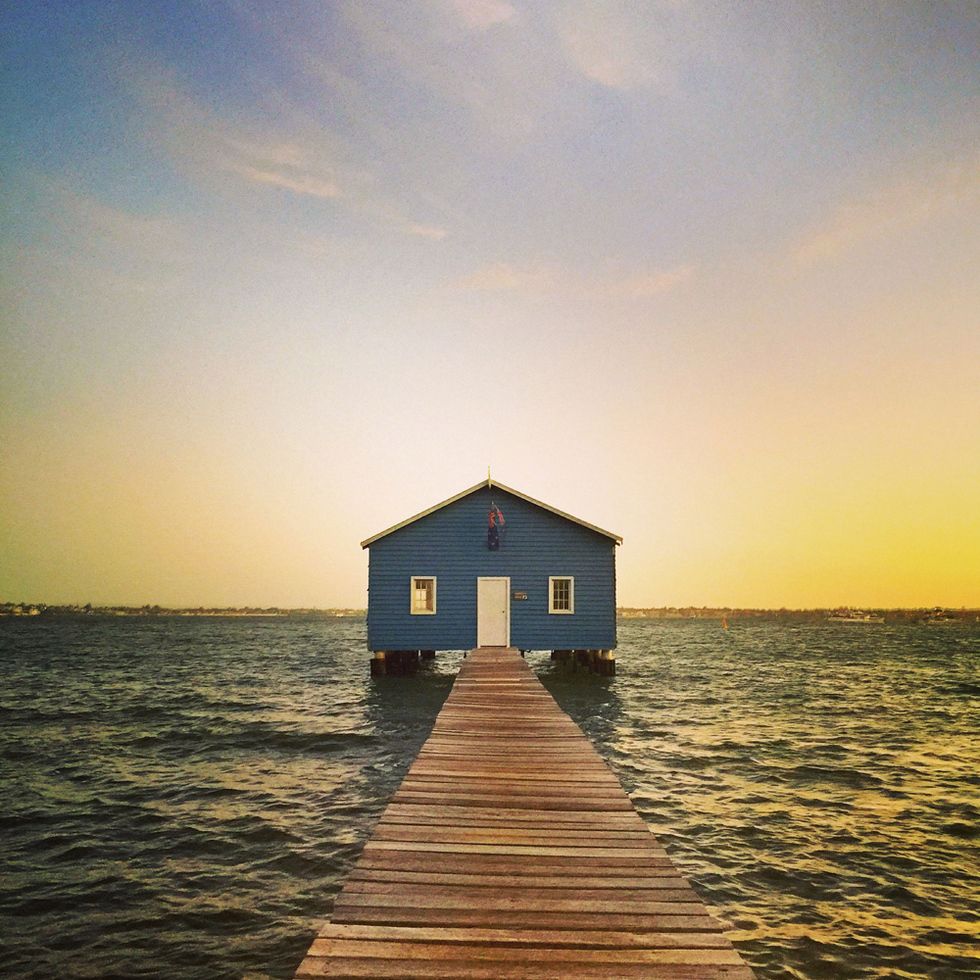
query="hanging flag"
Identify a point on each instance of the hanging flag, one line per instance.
(500, 516)
(493, 535)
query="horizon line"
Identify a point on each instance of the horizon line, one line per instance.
(362, 609)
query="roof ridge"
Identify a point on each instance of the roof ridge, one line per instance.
(490, 484)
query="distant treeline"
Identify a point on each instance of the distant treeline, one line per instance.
(43, 609)
(931, 614)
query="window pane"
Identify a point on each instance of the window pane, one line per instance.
(561, 594)
(423, 595)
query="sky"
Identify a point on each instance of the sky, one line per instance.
(277, 276)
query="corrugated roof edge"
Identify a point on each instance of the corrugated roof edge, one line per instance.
(367, 542)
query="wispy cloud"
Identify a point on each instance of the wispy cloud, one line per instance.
(505, 80)
(428, 231)
(654, 283)
(92, 221)
(104, 246)
(298, 183)
(617, 45)
(503, 276)
(296, 154)
(202, 140)
(481, 15)
(606, 54)
(549, 276)
(624, 45)
(889, 210)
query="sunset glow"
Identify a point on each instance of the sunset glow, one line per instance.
(279, 276)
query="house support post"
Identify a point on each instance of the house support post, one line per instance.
(402, 661)
(395, 662)
(427, 654)
(601, 662)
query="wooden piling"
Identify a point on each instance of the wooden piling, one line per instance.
(394, 662)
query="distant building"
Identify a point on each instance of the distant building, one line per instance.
(492, 566)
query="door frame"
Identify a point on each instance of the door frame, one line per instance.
(493, 578)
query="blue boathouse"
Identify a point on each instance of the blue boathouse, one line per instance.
(492, 566)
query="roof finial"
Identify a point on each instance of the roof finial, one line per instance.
(488, 474)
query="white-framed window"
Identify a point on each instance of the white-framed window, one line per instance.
(561, 594)
(423, 593)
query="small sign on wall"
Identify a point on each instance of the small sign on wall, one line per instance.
(519, 596)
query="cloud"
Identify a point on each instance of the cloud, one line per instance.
(269, 151)
(500, 275)
(655, 283)
(293, 153)
(84, 240)
(203, 141)
(299, 183)
(505, 80)
(889, 210)
(89, 227)
(480, 15)
(542, 276)
(614, 47)
(503, 276)
(93, 220)
(428, 231)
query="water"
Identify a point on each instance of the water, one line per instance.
(183, 797)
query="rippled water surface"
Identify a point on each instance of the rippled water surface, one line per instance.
(183, 797)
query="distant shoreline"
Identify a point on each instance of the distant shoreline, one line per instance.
(18, 610)
(22, 609)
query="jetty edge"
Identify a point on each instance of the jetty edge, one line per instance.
(511, 850)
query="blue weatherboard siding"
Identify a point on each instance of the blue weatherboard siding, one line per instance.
(451, 544)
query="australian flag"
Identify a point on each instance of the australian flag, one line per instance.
(495, 521)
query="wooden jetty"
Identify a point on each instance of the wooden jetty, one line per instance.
(511, 850)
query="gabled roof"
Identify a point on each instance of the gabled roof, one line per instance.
(490, 484)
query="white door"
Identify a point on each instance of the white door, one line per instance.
(493, 612)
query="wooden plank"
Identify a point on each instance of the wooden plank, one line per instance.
(515, 772)
(508, 864)
(516, 789)
(551, 938)
(522, 919)
(511, 850)
(489, 900)
(556, 802)
(533, 820)
(329, 966)
(391, 845)
(667, 878)
(518, 835)
(448, 814)
(524, 890)
(476, 951)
